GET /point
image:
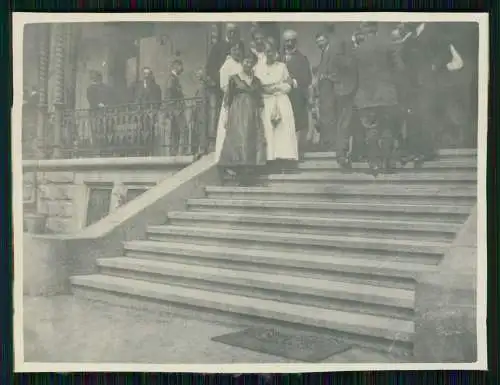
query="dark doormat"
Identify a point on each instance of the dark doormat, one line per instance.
(298, 345)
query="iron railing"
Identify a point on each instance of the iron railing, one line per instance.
(169, 128)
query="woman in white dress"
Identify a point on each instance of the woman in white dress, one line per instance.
(279, 124)
(231, 66)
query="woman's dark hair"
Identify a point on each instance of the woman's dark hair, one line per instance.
(248, 54)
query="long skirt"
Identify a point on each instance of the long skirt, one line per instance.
(244, 142)
(221, 131)
(281, 138)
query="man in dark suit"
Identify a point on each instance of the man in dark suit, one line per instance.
(173, 89)
(175, 95)
(428, 57)
(147, 93)
(98, 93)
(300, 72)
(337, 86)
(98, 97)
(146, 90)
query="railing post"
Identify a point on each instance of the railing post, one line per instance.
(205, 123)
(60, 31)
(214, 99)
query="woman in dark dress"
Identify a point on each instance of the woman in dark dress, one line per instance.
(244, 148)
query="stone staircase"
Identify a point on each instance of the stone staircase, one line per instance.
(316, 249)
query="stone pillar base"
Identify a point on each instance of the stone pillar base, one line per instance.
(446, 328)
(446, 304)
(35, 223)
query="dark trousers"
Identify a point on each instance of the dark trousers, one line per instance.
(335, 116)
(380, 146)
(344, 107)
(423, 122)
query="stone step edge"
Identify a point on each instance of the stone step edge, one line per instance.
(393, 191)
(442, 152)
(303, 239)
(369, 179)
(398, 208)
(393, 297)
(352, 323)
(432, 166)
(288, 220)
(352, 265)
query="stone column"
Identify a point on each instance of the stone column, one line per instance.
(43, 75)
(60, 32)
(74, 33)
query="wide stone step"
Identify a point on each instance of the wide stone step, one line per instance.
(371, 327)
(302, 224)
(300, 241)
(357, 178)
(390, 271)
(444, 165)
(413, 212)
(295, 289)
(423, 194)
(460, 153)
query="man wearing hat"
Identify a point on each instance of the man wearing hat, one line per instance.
(300, 71)
(216, 58)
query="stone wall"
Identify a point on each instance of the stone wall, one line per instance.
(63, 186)
(59, 195)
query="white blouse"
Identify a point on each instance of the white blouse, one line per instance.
(229, 68)
(275, 75)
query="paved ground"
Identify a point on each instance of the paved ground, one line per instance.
(68, 329)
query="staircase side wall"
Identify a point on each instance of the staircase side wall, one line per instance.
(60, 190)
(50, 259)
(446, 306)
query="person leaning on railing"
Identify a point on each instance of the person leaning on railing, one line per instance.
(147, 93)
(98, 98)
(174, 96)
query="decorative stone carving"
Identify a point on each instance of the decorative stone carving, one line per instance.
(118, 196)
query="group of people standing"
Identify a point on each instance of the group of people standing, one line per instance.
(263, 102)
(373, 96)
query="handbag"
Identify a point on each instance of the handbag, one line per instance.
(275, 114)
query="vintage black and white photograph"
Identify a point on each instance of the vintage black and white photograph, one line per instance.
(250, 192)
